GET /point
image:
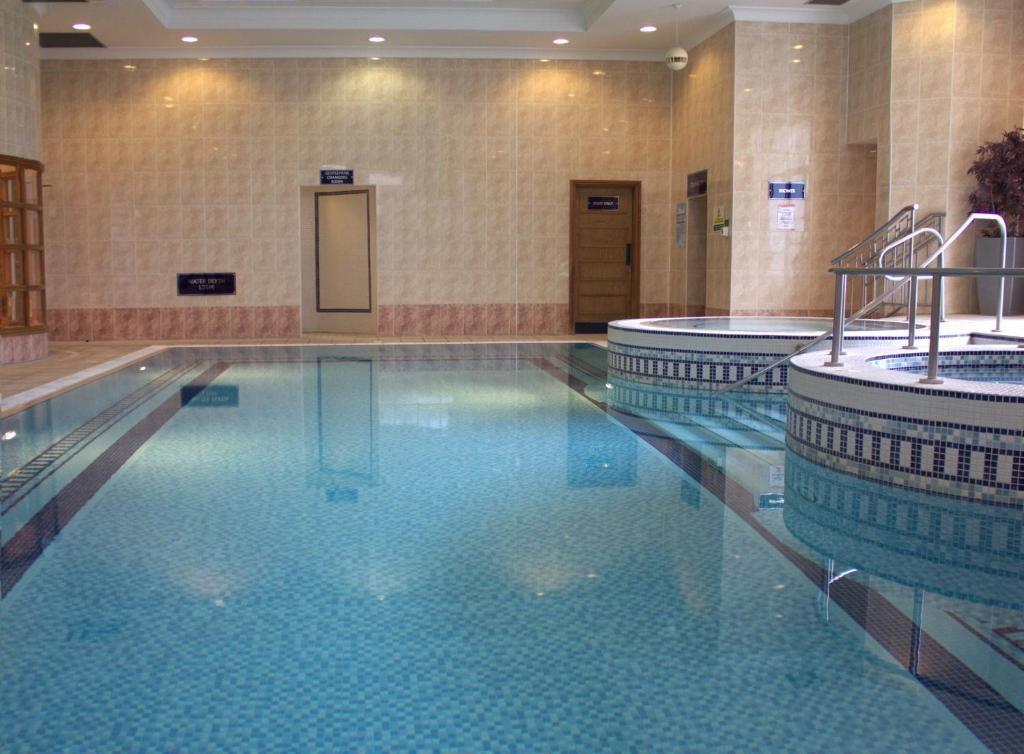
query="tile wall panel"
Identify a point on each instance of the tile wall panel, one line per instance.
(19, 81)
(161, 166)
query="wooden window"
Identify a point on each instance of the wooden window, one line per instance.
(22, 277)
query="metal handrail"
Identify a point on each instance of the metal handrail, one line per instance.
(891, 223)
(916, 272)
(899, 242)
(937, 297)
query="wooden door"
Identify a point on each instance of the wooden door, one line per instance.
(605, 253)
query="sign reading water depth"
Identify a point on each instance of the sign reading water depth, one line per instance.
(206, 284)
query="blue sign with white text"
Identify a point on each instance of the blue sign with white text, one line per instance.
(336, 177)
(786, 189)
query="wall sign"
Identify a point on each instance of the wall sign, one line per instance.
(786, 189)
(603, 203)
(720, 223)
(697, 183)
(331, 175)
(681, 208)
(206, 284)
(210, 396)
(771, 501)
(785, 217)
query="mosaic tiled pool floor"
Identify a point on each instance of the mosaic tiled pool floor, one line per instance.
(453, 549)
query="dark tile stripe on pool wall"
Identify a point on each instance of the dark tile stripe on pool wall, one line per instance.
(982, 709)
(21, 551)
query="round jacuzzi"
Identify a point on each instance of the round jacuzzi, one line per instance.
(711, 352)
(874, 417)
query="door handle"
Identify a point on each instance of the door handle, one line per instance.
(629, 255)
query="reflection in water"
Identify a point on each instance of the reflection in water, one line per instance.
(340, 425)
(960, 549)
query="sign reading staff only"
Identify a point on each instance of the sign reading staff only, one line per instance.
(206, 284)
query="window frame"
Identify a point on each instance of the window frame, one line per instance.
(22, 250)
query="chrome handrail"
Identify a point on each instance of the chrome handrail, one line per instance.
(937, 297)
(933, 337)
(892, 222)
(899, 242)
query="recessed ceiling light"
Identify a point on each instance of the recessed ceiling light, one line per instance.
(377, 40)
(599, 73)
(560, 41)
(28, 44)
(648, 29)
(798, 47)
(8, 435)
(128, 67)
(81, 27)
(374, 58)
(35, 27)
(544, 60)
(189, 40)
(203, 60)
(796, 60)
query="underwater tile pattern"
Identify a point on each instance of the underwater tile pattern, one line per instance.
(408, 555)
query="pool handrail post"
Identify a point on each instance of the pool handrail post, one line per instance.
(933, 334)
(912, 315)
(838, 321)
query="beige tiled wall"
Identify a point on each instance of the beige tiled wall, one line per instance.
(174, 165)
(790, 125)
(702, 121)
(19, 81)
(957, 81)
(869, 97)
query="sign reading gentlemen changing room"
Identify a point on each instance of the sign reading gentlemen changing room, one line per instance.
(206, 284)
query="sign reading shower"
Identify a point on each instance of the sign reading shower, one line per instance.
(787, 201)
(206, 284)
(603, 203)
(334, 175)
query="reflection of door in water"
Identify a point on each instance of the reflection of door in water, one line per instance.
(697, 256)
(605, 253)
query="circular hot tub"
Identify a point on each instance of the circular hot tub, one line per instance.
(711, 352)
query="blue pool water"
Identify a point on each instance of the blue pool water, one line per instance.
(485, 548)
(1007, 373)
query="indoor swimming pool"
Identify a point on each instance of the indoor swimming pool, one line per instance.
(479, 548)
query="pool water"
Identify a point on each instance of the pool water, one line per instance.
(978, 373)
(771, 324)
(481, 548)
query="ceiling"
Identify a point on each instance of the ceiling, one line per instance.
(602, 29)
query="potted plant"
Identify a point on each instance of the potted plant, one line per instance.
(999, 170)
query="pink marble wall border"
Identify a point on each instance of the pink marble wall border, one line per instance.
(177, 323)
(483, 320)
(15, 349)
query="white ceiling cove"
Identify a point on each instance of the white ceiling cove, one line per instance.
(603, 29)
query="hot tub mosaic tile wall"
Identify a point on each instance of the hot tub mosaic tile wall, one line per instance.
(960, 439)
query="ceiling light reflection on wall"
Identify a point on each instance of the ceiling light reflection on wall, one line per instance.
(560, 41)
(81, 27)
(648, 29)
(189, 39)
(377, 40)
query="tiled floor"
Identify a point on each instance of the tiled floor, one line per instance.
(71, 363)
